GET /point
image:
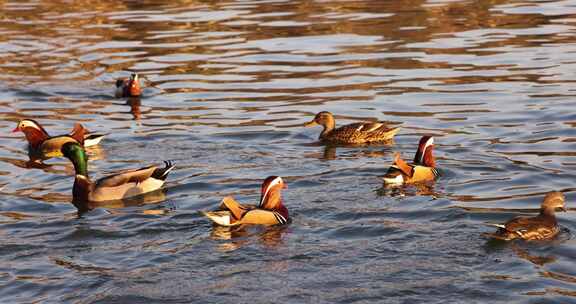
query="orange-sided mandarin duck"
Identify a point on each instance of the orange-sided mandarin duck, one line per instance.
(122, 185)
(421, 170)
(49, 146)
(355, 133)
(541, 227)
(270, 210)
(128, 87)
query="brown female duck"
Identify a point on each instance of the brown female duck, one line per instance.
(355, 133)
(270, 210)
(128, 87)
(118, 186)
(422, 169)
(541, 227)
(49, 146)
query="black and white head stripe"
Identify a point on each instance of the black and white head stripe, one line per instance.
(280, 218)
(435, 172)
(274, 182)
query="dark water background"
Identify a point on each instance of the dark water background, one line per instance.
(229, 84)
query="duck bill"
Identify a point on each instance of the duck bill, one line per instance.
(310, 124)
(15, 130)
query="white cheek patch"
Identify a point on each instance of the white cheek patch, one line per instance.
(28, 124)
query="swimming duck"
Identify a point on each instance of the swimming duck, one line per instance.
(422, 169)
(270, 210)
(118, 186)
(540, 227)
(355, 133)
(128, 87)
(49, 146)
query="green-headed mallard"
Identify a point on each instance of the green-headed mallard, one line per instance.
(270, 210)
(118, 186)
(128, 87)
(49, 146)
(355, 133)
(540, 227)
(422, 169)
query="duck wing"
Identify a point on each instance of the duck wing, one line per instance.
(532, 228)
(263, 217)
(371, 131)
(125, 177)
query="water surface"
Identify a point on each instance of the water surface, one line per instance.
(228, 86)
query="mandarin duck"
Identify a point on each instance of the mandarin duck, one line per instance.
(355, 133)
(421, 170)
(117, 186)
(50, 146)
(270, 210)
(541, 227)
(128, 87)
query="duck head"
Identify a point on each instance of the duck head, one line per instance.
(134, 85)
(33, 131)
(271, 192)
(424, 154)
(323, 118)
(553, 201)
(76, 154)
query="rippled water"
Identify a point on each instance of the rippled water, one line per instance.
(228, 86)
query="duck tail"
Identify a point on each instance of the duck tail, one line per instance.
(162, 173)
(502, 226)
(92, 139)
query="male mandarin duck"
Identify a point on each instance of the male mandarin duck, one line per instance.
(422, 169)
(270, 210)
(355, 133)
(128, 87)
(540, 227)
(49, 146)
(118, 186)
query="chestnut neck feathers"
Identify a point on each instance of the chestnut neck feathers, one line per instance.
(271, 197)
(424, 154)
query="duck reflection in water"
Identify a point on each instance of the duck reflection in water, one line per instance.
(116, 206)
(419, 189)
(330, 151)
(238, 236)
(134, 103)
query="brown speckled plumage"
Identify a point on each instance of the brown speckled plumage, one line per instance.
(541, 227)
(355, 133)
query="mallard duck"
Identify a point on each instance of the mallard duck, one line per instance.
(355, 133)
(128, 87)
(270, 210)
(422, 169)
(118, 186)
(540, 227)
(49, 146)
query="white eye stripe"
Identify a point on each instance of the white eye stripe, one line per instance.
(27, 123)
